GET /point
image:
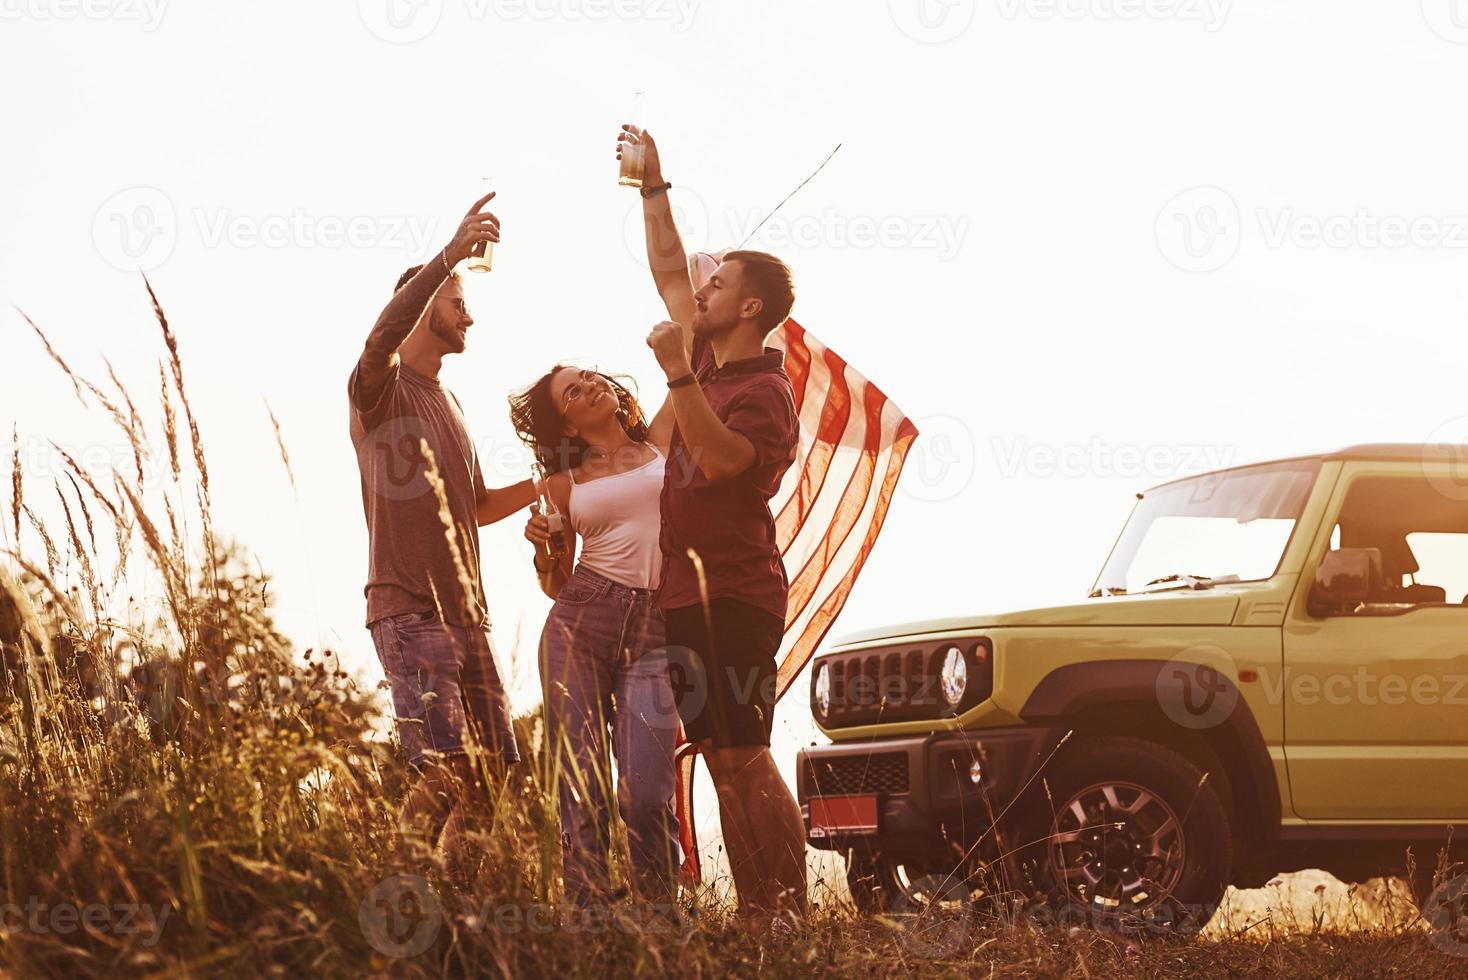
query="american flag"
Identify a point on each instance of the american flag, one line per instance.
(830, 508)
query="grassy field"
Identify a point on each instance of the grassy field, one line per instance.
(187, 794)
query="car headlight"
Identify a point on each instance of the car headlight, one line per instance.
(953, 676)
(821, 691)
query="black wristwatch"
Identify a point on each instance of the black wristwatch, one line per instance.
(647, 192)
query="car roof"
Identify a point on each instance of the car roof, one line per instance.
(1397, 452)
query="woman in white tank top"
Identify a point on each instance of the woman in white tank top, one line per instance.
(602, 663)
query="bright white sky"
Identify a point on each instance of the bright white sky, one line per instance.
(1001, 243)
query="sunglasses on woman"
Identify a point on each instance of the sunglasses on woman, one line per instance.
(577, 389)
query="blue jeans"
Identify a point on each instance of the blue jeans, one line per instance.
(446, 689)
(603, 668)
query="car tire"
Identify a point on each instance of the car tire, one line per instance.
(872, 879)
(1128, 836)
(881, 882)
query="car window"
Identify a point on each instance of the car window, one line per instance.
(1224, 545)
(1420, 533)
(1444, 561)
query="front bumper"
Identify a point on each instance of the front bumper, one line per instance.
(926, 798)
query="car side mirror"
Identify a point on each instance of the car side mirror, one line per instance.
(1346, 578)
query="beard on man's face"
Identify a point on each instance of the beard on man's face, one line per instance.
(451, 336)
(706, 325)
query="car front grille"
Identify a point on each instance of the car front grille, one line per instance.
(884, 685)
(900, 683)
(857, 775)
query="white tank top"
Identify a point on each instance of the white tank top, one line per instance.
(619, 518)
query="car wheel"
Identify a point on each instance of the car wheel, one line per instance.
(1128, 835)
(876, 880)
(881, 883)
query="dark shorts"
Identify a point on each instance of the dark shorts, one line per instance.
(446, 689)
(722, 668)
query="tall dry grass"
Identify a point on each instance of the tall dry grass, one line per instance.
(184, 793)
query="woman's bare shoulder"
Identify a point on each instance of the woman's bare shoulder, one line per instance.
(559, 486)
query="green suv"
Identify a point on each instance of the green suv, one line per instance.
(1270, 673)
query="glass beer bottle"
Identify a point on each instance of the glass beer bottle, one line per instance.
(555, 545)
(481, 256)
(630, 174)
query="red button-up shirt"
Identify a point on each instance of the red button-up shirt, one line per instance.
(728, 523)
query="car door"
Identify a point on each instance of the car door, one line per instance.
(1376, 698)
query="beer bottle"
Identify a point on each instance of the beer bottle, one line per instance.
(629, 174)
(555, 545)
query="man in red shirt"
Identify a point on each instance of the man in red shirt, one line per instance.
(724, 588)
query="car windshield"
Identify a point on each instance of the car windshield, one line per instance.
(1228, 526)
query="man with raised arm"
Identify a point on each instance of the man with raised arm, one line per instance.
(724, 590)
(425, 603)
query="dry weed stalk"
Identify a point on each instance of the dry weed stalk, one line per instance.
(256, 806)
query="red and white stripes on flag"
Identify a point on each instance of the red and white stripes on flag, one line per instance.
(830, 508)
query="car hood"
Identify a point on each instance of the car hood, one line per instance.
(1171, 608)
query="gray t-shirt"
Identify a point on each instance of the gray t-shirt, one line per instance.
(411, 566)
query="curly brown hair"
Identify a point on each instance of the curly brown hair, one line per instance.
(538, 421)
